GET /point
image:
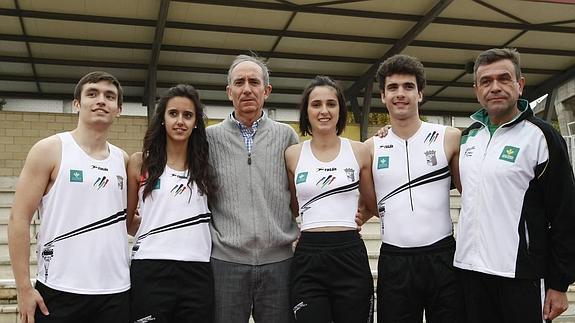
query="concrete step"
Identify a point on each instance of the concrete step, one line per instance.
(373, 257)
(372, 226)
(454, 212)
(8, 182)
(372, 242)
(6, 267)
(34, 227)
(4, 253)
(5, 210)
(6, 196)
(7, 291)
(4, 235)
(9, 313)
(8, 301)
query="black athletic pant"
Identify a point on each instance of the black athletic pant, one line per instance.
(67, 307)
(330, 279)
(496, 299)
(411, 280)
(171, 291)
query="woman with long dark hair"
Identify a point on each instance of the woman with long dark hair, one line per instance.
(330, 276)
(169, 184)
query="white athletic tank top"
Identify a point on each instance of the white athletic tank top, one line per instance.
(412, 182)
(327, 192)
(83, 242)
(175, 221)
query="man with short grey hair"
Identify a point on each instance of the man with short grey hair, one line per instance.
(252, 225)
(515, 243)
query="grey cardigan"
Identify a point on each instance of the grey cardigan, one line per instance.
(251, 218)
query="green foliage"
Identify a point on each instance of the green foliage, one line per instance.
(350, 118)
(555, 124)
(378, 119)
(375, 119)
(2, 103)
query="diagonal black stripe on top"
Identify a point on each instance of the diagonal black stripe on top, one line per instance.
(117, 217)
(424, 179)
(337, 190)
(202, 218)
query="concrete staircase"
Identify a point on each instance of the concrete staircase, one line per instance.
(8, 304)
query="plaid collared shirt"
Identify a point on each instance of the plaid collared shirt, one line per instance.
(248, 132)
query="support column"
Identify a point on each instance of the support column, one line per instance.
(364, 125)
(565, 106)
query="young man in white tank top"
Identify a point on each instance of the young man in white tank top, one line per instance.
(77, 180)
(411, 170)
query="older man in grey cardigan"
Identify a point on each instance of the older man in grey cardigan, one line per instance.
(252, 225)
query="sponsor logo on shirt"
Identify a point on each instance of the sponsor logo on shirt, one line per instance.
(325, 181)
(431, 137)
(76, 176)
(146, 319)
(509, 154)
(101, 182)
(120, 180)
(469, 151)
(386, 146)
(332, 169)
(301, 177)
(99, 168)
(350, 173)
(383, 162)
(298, 307)
(431, 158)
(180, 176)
(178, 189)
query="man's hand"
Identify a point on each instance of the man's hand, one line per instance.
(28, 299)
(358, 220)
(382, 132)
(555, 304)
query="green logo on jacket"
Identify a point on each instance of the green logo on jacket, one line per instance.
(509, 154)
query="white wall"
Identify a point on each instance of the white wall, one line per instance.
(129, 108)
(213, 112)
(34, 105)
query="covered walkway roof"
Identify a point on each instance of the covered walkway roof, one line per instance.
(46, 46)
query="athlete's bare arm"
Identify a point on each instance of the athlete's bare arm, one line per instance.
(36, 179)
(359, 219)
(451, 147)
(291, 155)
(367, 200)
(369, 144)
(132, 219)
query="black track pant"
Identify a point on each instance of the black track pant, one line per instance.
(411, 280)
(166, 291)
(67, 307)
(330, 279)
(496, 299)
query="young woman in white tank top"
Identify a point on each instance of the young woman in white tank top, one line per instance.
(169, 183)
(330, 278)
